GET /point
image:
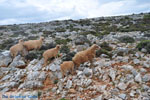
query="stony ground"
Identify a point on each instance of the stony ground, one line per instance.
(120, 71)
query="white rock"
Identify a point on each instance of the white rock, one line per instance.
(136, 61)
(138, 78)
(69, 84)
(122, 96)
(127, 67)
(112, 74)
(146, 78)
(122, 86)
(145, 64)
(87, 72)
(132, 93)
(98, 98)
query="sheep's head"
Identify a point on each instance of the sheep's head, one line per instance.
(21, 41)
(95, 47)
(58, 47)
(42, 38)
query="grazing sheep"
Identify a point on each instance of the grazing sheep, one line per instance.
(16, 49)
(91, 52)
(86, 55)
(50, 53)
(80, 58)
(34, 44)
(67, 66)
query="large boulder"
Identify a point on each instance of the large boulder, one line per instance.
(5, 58)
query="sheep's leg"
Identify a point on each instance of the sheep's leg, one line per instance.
(15, 54)
(91, 63)
(45, 61)
(72, 70)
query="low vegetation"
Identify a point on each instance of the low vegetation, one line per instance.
(62, 41)
(126, 39)
(144, 44)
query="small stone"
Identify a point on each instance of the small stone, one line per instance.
(145, 64)
(132, 93)
(64, 93)
(134, 72)
(72, 91)
(17, 62)
(33, 75)
(5, 89)
(69, 84)
(54, 89)
(122, 86)
(143, 50)
(53, 67)
(146, 78)
(127, 67)
(145, 87)
(88, 82)
(136, 61)
(78, 98)
(142, 70)
(98, 98)
(104, 56)
(138, 78)
(122, 96)
(112, 74)
(60, 86)
(87, 72)
(5, 58)
(79, 73)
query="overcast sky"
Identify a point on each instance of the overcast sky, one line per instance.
(30, 11)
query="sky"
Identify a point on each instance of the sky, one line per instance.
(35, 11)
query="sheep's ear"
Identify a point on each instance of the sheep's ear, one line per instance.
(21, 40)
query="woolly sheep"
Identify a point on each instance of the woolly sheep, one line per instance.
(50, 53)
(34, 44)
(86, 55)
(16, 49)
(67, 66)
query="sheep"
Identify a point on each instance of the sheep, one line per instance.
(50, 53)
(91, 52)
(16, 49)
(79, 58)
(67, 66)
(86, 55)
(34, 44)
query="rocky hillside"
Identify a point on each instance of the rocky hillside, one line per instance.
(120, 71)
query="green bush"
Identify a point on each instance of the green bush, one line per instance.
(47, 32)
(64, 49)
(62, 41)
(39, 93)
(31, 56)
(68, 57)
(90, 32)
(63, 99)
(34, 32)
(146, 17)
(60, 30)
(48, 46)
(55, 81)
(105, 46)
(144, 44)
(7, 44)
(33, 37)
(103, 51)
(126, 39)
